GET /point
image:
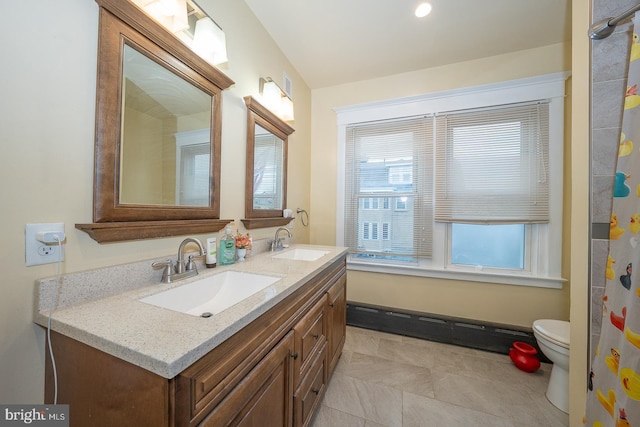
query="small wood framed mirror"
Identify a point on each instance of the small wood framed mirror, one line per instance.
(158, 132)
(266, 173)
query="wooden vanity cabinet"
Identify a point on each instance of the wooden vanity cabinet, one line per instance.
(273, 372)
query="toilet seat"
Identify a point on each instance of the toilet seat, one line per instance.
(556, 331)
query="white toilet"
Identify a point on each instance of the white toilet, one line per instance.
(553, 340)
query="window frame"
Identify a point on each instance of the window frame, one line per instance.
(544, 248)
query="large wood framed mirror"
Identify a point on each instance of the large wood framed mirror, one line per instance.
(158, 132)
(266, 173)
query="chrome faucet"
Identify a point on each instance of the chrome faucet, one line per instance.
(182, 269)
(180, 264)
(276, 244)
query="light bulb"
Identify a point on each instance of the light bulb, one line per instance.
(423, 10)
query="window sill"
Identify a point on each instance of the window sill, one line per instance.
(470, 276)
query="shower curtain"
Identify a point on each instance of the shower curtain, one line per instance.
(613, 396)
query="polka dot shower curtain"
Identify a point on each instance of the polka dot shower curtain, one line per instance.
(613, 396)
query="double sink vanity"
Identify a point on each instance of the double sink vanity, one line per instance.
(254, 343)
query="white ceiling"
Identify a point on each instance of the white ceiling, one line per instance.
(332, 42)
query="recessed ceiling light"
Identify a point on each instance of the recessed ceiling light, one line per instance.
(423, 10)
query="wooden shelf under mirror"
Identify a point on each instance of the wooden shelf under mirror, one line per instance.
(109, 232)
(251, 223)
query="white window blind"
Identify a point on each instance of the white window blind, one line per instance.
(389, 165)
(492, 165)
(194, 178)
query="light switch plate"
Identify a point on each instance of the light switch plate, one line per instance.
(36, 252)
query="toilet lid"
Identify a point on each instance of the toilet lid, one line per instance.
(556, 331)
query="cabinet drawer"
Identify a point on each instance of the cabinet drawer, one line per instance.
(311, 390)
(310, 336)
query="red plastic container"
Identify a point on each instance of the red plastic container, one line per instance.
(524, 357)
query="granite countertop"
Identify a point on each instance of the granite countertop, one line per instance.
(100, 309)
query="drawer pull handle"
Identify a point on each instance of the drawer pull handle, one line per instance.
(294, 355)
(315, 336)
(331, 304)
(316, 391)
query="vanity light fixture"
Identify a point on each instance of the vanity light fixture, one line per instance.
(190, 24)
(275, 99)
(209, 41)
(423, 10)
(171, 14)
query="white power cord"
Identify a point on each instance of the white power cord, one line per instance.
(53, 306)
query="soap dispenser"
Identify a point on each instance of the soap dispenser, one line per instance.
(227, 252)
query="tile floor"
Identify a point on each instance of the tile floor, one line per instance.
(389, 380)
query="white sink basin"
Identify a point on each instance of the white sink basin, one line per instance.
(213, 294)
(301, 254)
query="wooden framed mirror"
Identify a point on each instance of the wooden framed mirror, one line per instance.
(266, 172)
(158, 132)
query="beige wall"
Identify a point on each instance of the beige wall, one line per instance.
(515, 305)
(47, 108)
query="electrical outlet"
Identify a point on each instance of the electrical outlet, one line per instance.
(38, 252)
(45, 250)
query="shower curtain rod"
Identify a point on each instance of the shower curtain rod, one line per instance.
(603, 29)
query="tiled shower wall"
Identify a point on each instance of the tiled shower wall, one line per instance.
(609, 61)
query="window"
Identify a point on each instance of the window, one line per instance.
(268, 152)
(385, 230)
(370, 231)
(194, 178)
(389, 160)
(371, 203)
(468, 183)
(401, 203)
(193, 166)
(494, 246)
(492, 181)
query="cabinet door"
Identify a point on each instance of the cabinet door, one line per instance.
(264, 396)
(336, 320)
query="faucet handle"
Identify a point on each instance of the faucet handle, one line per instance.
(161, 264)
(190, 265)
(166, 272)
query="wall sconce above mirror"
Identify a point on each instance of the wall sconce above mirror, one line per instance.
(188, 22)
(266, 173)
(158, 132)
(275, 99)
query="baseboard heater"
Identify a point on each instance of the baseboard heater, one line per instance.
(450, 330)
